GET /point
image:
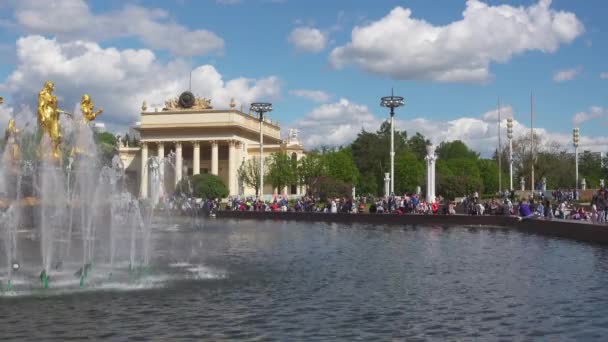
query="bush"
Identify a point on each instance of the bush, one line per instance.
(326, 187)
(204, 186)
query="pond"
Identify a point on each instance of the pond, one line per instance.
(272, 280)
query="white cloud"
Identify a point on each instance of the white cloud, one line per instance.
(492, 115)
(403, 47)
(73, 19)
(313, 95)
(604, 75)
(119, 80)
(336, 123)
(566, 75)
(594, 112)
(308, 39)
(339, 123)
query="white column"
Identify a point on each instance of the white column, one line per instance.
(143, 182)
(178, 161)
(430, 173)
(511, 164)
(576, 165)
(298, 186)
(433, 178)
(160, 149)
(196, 158)
(214, 158)
(392, 154)
(160, 153)
(232, 186)
(261, 159)
(387, 183)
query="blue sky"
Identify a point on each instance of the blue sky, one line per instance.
(326, 81)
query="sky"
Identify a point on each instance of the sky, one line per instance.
(323, 64)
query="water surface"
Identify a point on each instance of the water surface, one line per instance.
(269, 280)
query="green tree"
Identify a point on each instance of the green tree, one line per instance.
(310, 168)
(281, 171)
(106, 144)
(455, 149)
(370, 153)
(488, 171)
(205, 186)
(409, 172)
(458, 177)
(327, 187)
(249, 173)
(417, 145)
(341, 166)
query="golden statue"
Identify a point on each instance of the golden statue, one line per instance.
(87, 108)
(48, 117)
(10, 140)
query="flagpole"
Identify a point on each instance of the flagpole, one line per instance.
(499, 154)
(532, 140)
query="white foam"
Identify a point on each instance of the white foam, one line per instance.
(204, 272)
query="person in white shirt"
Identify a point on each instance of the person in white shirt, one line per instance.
(334, 207)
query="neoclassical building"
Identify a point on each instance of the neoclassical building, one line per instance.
(196, 138)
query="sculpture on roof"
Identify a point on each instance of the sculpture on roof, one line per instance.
(187, 101)
(292, 138)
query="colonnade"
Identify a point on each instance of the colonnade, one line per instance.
(236, 153)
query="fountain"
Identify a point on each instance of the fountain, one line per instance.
(76, 210)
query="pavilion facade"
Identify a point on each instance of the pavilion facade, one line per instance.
(194, 138)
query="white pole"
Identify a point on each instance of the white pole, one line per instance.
(511, 164)
(576, 165)
(499, 154)
(261, 156)
(532, 140)
(392, 154)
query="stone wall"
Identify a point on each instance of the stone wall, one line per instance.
(573, 230)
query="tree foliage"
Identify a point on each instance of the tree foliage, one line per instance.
(205, 186)
(310, 168)
(249, 173)
(455, 150)
(106, 144)
(327, 187)
(409, 172)
(341, 166)
(282, 171)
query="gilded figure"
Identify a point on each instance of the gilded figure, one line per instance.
(48, 117)
(87, 107)
(10, 140)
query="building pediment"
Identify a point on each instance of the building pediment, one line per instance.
(187, 101)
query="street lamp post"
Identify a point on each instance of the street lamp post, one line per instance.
(510, 137)
(392, 102)
(575, 140)
(261, 108)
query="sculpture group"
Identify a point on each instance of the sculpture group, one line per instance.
(48, 121)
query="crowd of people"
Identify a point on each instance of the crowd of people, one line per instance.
(406, 204)
(562, 205)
